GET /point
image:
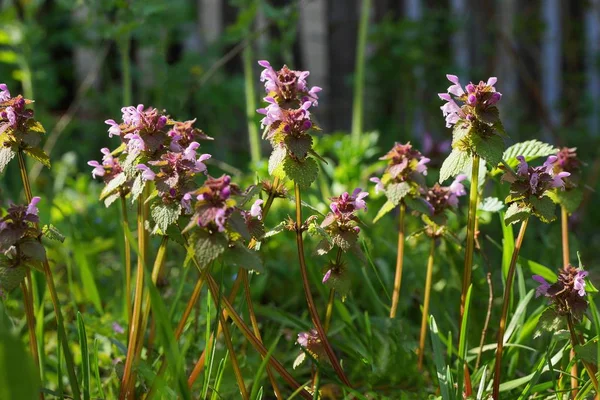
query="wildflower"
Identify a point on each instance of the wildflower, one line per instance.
(568, 293)
(474, 99)
(109, 168)
(186, 203)
(117, 328)
(147, 173)
(256, 210)
(4, 92)
(535, 180)
(287, 85)
(311, 343)
(214, 206)
(114, 130)
(441, 198)
(135, 143)
(347, 203)
(32, 207)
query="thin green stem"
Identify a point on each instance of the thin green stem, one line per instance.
(127, 250)
(425, 317)
(470, 245)
(399, 262)
(309, 299)
(575, 342)
(269, 202)
(234, 363)
(30, 316)
(253, 135)
(60, 326)
(506, 302)
(359, 72)
(127, 386)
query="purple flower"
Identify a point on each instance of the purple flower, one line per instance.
(542, 289)
(379, 185)
(456, 190)
(186, 203)
(523, 168)
(535, 180)
(117, 328)
(98, 168)
(327, 276)
(199, 165)
(579, 282)
(136, 144)
(114, 130)
(221, 219)
(10, 115)
(287, 84)
(4, 92)
(147, 173)
(32, 207)
(349, 203)
(133, 115)
(190, 152)
(256, 210)
(421, 167)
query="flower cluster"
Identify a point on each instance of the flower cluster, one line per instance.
(441, 198)
(19, 245)
(568, 293)
(474, 100)
(20, 131)
(287, 122)
(567, 161)
(311, 344)
(405, 164)
(108, 169)
(214, 203)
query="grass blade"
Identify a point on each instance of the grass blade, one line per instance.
(85, 357)
(438, 358)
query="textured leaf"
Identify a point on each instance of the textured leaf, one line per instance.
(52, 233)
(386, 208)
(323, 247)
(241, 257)
(298, 146)
(6, 155)
(301, 172)
(137, 188)
(32, 248)
(543, 208)
(34, 126)
(208, 247)
(111, 199)
(11, 277)
(276, 161)
(570, 199)
(277, 229)
(344, 239)
(454, 164)
(490, 148)
(39, 155)
(516, 213)
(164, 215)
(530, 149)
(549, 321)
(491, 204)
(460, 131)
(237, 223)
(397, 191)
(113, 185)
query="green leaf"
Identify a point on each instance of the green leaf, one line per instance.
(164, 215)
(543, 208)
(113, 185)
(460, 131)
(38, 154)
(588, 351)
(34, 126)
(491, 204)
(298, 146)
(10, 278)
(530, 149)
(386, 208)
(208, 247)
(52, 233)
(137, 188)
(276, 161)
(6, 155)
(418, 204)
(397, 191)
(516, 213)
(549, 321)
(32, 248)
(454, 164)
(241, 257)
(538, 269)
(570, 199)
(490, 148)
(301, 172)
(18, 376)
(85, 357)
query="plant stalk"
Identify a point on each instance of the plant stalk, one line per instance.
(575, 342)
(309, 299)
(60, 326)
(506, 302)
(399, 262)
(127, 387)
(29, 314)
(470, 245)
(425, 318)
(234, 363)
(564, 225)
(127, 250)
(359, 69)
